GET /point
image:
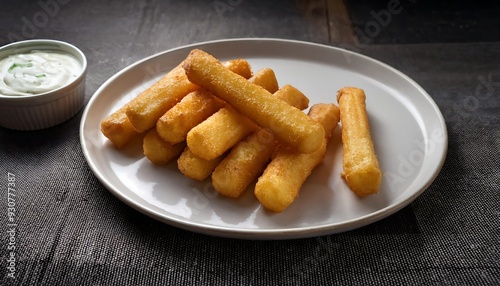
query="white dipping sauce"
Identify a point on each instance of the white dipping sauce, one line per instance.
(37, 72)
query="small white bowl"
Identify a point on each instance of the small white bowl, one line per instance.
(43, 110)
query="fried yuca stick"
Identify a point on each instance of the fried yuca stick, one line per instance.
(245, 162)
(145, 109)
(360, 165)
(218, 133)
(248, 159)
(158, 151)
(280, 183)
(222, 130)
(265, 78)
(197, 106)
(195, 167)
(294, 97)
(193, 109)
(289, 124)
(118, 129)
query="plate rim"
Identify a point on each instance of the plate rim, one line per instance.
(264, 234)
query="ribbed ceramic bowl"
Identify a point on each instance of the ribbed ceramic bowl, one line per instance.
(43, 110)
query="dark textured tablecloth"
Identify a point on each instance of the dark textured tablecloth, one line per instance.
(69, 230)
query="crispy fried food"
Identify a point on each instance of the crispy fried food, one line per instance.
(239, 66)
(197, 106)
(218, 133)
(202, 109)
(158, 151)
(360, 165)
(145, 109)
(222, 130)
(266, 78)
(292, 96)
(244, 163)
(289, 124)
(248, 159)
(118, 129)
(195, 167)
(215, 135)
(281, 181)
(193, 109)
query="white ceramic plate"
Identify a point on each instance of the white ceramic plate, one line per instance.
(408, 130)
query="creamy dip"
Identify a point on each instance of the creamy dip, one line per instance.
(37, 72)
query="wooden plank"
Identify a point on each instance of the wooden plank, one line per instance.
(339, 23)
(315, 13)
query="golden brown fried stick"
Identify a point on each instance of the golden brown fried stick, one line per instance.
(244, 163)
(239, 66)
(248, 159)
(266, 78)
(158, 151)
(145, 109)
(118, 129)
(218, 133)
(197, 106)
(193, 109)
(222, 130)
(360, 165)
(281, 181)
(292, 96)
(289, 124)
(195, 167)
